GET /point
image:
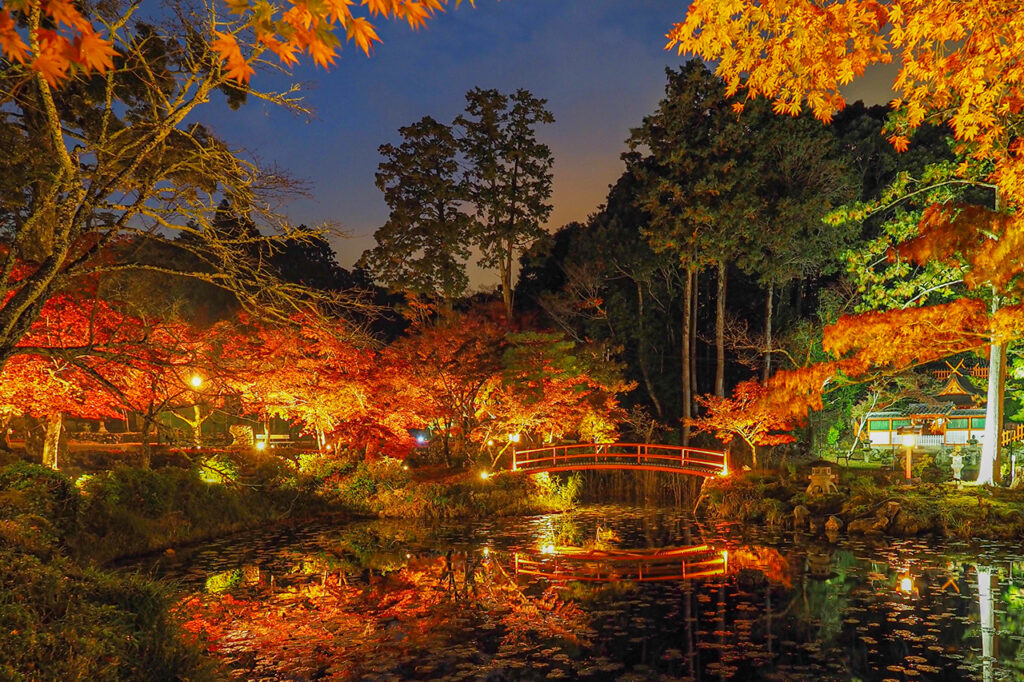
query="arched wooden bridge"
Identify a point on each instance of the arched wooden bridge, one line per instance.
(574, 564)
(637, 456)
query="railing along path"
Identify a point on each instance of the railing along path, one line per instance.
(636, 456)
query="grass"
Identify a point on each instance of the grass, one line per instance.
(61, 619)
(388, 489)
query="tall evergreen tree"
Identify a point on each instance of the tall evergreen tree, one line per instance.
(424, 245)
(799, 173)
(508, 176)
(688, 158)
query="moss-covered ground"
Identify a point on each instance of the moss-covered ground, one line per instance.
(864, 495)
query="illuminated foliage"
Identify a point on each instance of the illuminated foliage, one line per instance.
(957, 67)
(68, 41)
(748, 413)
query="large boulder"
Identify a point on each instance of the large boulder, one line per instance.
(906, 524)
(871, 524)
(888, 511)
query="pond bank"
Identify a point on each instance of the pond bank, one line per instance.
(64, 616)
(867, 502)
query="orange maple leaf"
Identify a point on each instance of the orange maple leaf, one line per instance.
(11, 42)
(54, 56)
(338, 10)
(236, 67)
(285, 51)
(93, 52)
(361, 32)
(322, 53)
(900, 143)
(63, 12)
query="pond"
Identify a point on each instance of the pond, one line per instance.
(606, 592)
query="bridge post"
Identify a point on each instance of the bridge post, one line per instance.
(513, 459)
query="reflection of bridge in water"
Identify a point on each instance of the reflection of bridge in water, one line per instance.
(635, 565)
(618, 456)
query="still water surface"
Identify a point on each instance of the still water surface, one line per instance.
(606, 592)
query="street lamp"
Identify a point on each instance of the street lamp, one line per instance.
(197, 427)
(908, 443)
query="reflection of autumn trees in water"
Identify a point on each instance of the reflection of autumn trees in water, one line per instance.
(386, 599)
(408, 620)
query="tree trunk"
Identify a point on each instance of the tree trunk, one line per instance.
(505, 268)
(685, 353)
(642, 352)
(694, 388)
(799, 295)
(5, 427)
(51, 440)
(988, 472)
(768, 310)
(147, 427)
(197, 426)
(720, 332)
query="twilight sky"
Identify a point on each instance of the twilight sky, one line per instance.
(599, 63)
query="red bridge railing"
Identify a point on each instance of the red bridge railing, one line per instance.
(636, 456)
(681, 563)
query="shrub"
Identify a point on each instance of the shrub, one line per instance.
(35, 490)
(60, 622)
(130, 511)
(368, 479)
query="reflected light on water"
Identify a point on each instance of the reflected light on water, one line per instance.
(657, 598)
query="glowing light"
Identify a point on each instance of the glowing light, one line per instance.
(487, 550)
(421, 439)
(725, 470)
(408, 556)
(484, 475)
(547, 549)
(908, 440)
(405, 467)
(490, 442)
(261, 445)
(906, 584)
(328, 448)
(196, 381)
(513, 437)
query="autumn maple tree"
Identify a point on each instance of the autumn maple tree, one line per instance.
(447, 363)
(85, 357)
(550, 387)
(314, 373)
(105, 170)
(747, 414)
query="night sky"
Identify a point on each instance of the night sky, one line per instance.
(599, 63)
